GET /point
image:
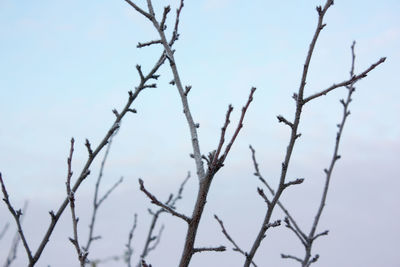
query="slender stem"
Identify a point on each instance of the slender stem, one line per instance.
(96, 200)
(12, 255)
(179, 86)
(335, 158)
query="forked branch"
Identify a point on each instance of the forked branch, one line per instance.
(55, 216)
(167, 208)
(17, 214)
(153, 240)
(97, 200)
(215, 161)
(12, 254)
(300, 102)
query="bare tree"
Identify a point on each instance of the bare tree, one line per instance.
(207, 166)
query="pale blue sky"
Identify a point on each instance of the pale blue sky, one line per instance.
(64, 65)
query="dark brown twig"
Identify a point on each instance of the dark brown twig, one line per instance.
(284, 120)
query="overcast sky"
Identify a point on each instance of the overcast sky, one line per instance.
(64, 65)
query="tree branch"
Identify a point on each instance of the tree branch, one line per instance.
(240, 124)
(140, 45)
(294, 135)
(82, 254)
(218, 249)
(353, 79)
(328, 172)
(285, 256)
(12, 254)
(96, 200)
(154, 200)
(291, 220)
(153, 240)
(230, 239)
(55, 216)
(138, 9)
(17, 217)
(129, 249)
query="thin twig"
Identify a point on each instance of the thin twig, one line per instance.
(153, 240)
(284, 120)
(285, 256)
(328, 172)
(138, 9)
(353, 79)
(129, 249)
(154, 200)
(236, 247)
(167, 9)
(213, 164)
(17, 217)
(186, 110)
(257, 173)
(156, 239)
(12, 254)
(239, 125)
(218, 249)
(140, 45)
(96, 200)
(82, 254)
